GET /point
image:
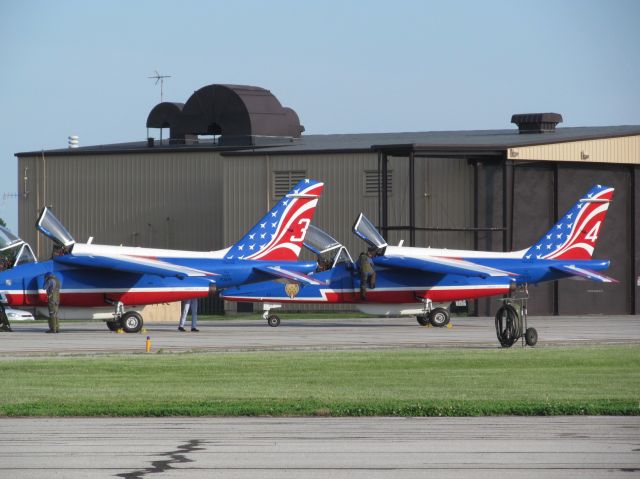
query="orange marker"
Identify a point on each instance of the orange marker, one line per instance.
(147, 347)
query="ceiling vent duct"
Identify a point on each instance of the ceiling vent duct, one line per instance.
(239, 114)
(536, 122)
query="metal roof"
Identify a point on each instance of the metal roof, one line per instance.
(479, 141)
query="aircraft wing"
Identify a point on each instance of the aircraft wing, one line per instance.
(281, 273)
(584, 273)
(131, 264)
(440, 265)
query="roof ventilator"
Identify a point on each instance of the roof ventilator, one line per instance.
(536, 122)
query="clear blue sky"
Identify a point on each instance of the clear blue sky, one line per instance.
(81, 67)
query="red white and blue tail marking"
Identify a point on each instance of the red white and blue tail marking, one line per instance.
(574, 237)
(280, 233)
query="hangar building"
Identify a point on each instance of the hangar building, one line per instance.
(232, 151)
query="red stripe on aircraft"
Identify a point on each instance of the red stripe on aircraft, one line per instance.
(97, 299)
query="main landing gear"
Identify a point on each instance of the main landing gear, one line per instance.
(129, 322)
(437, 317)
(272, 319)
(511, 321)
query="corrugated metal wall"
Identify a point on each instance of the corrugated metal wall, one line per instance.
(164, 200)
(204, 201)
(248, 191)
(624, 150)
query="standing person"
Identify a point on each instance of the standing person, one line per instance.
(4, 320)
(193, 304)
(52, 287)
(367, 273)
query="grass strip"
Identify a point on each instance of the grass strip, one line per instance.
(546, 381)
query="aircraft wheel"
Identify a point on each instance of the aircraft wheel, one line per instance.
(131, 322)
(422, 320)
(114, 325)
(531, 336)
(439, 317)
(273, 321)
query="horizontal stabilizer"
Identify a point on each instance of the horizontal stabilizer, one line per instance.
(131, 264)
(440, 265)
(584, 273)
(279, 272)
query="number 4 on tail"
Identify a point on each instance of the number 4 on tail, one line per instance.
(593, 234)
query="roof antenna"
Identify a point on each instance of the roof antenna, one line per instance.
(160, 78)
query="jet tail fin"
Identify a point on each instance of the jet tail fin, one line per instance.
(575, 235)
(280, 233)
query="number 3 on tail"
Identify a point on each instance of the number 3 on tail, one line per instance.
(593, 234)
(305, 222)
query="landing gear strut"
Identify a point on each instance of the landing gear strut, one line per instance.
(438, 317)
(272, 319)
(130, 322)
(511, 323)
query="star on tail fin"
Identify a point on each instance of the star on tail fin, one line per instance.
(575, 235)
(280, 233)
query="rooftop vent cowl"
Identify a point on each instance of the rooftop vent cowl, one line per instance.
(536, 122)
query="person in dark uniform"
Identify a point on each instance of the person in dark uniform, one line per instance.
(367, 272)
(52, 287)
(4, 321)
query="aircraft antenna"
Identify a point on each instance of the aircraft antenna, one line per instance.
(160, 78)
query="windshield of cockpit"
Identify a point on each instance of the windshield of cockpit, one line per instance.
(328, 250)
(13, 251)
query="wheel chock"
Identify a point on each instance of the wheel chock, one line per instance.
(120, 331)
(449, 326)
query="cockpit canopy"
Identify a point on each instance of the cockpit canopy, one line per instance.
(328, 249)
(368, 232)
(8, 239)
(51, 227)
(13, 250)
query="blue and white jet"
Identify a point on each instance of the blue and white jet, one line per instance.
(419, 281)
(111, 282)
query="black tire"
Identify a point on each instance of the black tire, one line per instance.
(422, 320)
(131, 322)
(439, 317)
(114, 325)
(273, 321)
(531, 336)
(507, 329)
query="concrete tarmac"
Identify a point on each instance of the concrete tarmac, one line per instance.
(29, 339)
(239, 448)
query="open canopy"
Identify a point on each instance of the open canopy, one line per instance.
(51, 227)
(368, 232)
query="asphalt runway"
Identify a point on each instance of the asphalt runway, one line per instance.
(242, 448)
(514, 447)
(29, 339)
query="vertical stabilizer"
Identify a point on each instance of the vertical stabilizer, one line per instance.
(575, 235)
(280, 233)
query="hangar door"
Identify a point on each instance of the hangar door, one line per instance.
(544, 192)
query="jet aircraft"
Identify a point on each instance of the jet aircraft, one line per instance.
(416, 280)
(110, 282)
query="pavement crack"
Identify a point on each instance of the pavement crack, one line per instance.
(179, 456)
